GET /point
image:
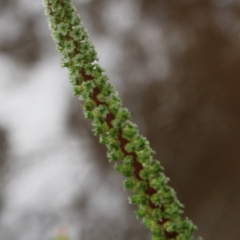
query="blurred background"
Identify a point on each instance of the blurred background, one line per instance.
(176, 65)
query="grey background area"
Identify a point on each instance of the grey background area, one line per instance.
(176, 65)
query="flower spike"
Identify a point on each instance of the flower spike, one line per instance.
(157, 203)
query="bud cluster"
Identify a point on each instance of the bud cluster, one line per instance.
(156, 202)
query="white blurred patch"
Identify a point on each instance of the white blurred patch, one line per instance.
(50, 184)
(9, 27)
(34, 108)
(120, 16)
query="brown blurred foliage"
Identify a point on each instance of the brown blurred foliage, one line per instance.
(190, 115)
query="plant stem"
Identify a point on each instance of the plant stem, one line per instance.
(156, 201)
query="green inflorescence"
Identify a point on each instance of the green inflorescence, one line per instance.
(157, 203)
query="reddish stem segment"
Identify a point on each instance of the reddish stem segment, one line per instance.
(137, 166)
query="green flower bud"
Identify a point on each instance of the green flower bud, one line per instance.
(115, 155)
(75, 21)
(144, 154)
(133, 145)
(172, 211)
(117, 123)
(156, 199)
(125, 170)
(76, 90)
(155, 167)
(74, 71)
(89, 105)
(157, 183)
(130, 147)
(98, 127)
(113, 133)
(63, 28)
(141, 186)
(139, 199)
(142, 211)
(128, 160)
(157, 214)
(107, 90)
(88, 86)
(130, 131)
(168, 193)
(140, 143)
(148, 222)
(156, 230)
(101, 112)
(123, 114)
(88, 68)
(68, 48)
(65, 63)
(101, 81)
(104, 139)
(129, 183)
(158, 238)
(186, 226)
(183, 236)
(170, 226)
(85, 95)
(88, 114)
(101, 97)
(114, 103)
(113, 144)
(78, 60)
(91, 57)
(76, 33)
(85, 48)
(144, 174)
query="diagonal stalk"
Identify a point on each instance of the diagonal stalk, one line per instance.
(157, 203)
